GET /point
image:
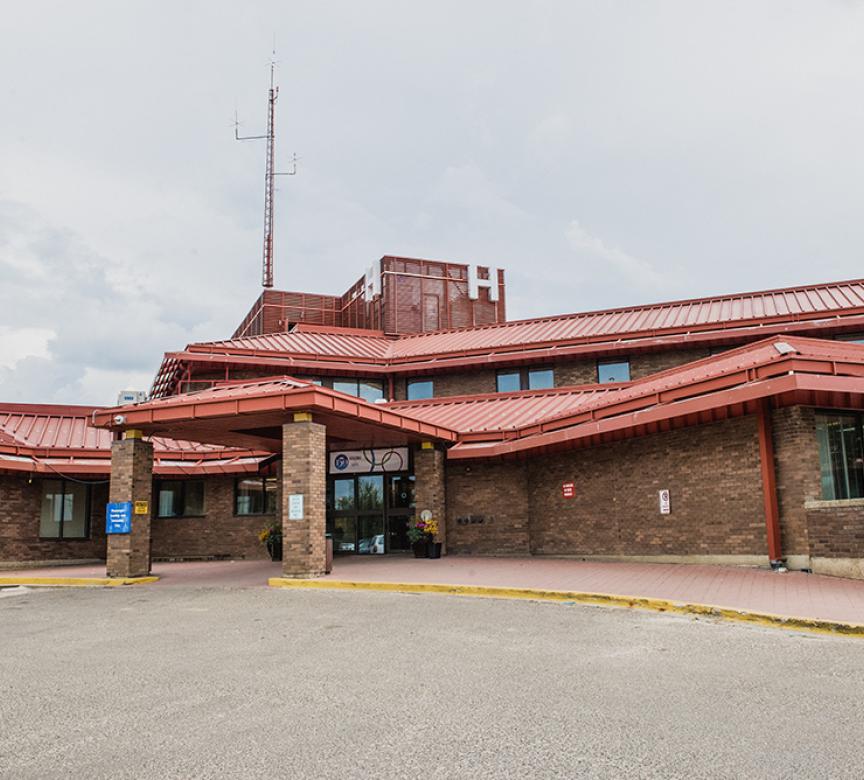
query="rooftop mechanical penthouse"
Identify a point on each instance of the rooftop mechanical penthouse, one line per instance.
(725, 429)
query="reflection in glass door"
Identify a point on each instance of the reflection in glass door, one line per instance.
(368, 514)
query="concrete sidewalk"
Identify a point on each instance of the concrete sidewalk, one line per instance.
(792, 595)
(201, 574)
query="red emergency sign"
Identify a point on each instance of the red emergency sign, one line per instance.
(568, 489)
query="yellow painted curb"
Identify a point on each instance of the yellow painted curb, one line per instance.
(813, 625)
(76, 582)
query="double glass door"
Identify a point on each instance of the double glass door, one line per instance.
(368, 514)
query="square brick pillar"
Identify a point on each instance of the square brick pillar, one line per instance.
(131, 480)
(430, 487)
(304, 473)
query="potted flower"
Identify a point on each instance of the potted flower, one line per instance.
(271, 538)
(421, 534)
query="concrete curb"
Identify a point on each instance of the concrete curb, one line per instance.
(76, 582)
(812, 625)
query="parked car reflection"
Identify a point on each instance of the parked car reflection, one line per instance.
(372, 545)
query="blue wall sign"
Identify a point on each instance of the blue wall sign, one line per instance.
(118, 517)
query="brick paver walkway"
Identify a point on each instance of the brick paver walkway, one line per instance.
(792, 594)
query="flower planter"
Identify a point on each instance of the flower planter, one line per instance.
(434, 549)
(421, 549)
(274, 547)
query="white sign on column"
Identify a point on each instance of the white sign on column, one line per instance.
(295, 506)
(665, 502)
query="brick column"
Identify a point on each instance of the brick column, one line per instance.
(429, 487)
(304, 473)
(131, 480)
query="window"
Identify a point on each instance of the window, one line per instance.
(343, 494)
(855, 338)
(420, 388)
(613, 371)
(368, 389)
(841, 454)
(65, 510)
(541, 378)
(508, 381)
(515, 379)
(255, 496)
(179, 497)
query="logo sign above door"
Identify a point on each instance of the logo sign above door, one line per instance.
(375, 461)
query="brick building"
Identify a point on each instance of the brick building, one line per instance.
(726, 429)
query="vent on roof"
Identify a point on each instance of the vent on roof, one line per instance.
(783, 348)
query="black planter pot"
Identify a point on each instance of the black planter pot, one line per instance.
(421, 549)
(434, 549)
(274, 547)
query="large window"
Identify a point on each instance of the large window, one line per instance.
(65, 510)
(419, 389)
(613, 371)
(855, 338)
(179, 497)
(841, 454)
(255, 496)
(368, 389)
(515, 379)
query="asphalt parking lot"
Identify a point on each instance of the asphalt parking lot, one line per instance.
(202, 682)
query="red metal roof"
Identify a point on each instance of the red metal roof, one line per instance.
(306, 340)
(503, 411)
(728, 311)
(790, 369)
(746, 315)
(51, 438)
(253, 413)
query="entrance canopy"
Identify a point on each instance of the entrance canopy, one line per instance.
(251, 415)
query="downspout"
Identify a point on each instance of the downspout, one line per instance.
(769, 485)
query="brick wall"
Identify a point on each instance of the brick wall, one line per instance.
(304, 451)
(487, 509)
(712, 472)
(576, 372)
(218, 533)
(20, 508)
(430, 488)
(581, 371)
(445, 385)
(644, 363)
(836, 531)
(796, 457)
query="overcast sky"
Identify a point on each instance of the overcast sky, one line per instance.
(603, 153)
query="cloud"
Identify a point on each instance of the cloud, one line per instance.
(19, 343)
(705, 149)
(634, 270)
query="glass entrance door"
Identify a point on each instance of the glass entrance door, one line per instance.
(368, 514)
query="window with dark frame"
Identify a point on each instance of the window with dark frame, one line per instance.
(179, 497)
(419, 389)
(368, 389)
(613, 371)
(64, 510)
(841, 454)
(512, 380)
(255, 496)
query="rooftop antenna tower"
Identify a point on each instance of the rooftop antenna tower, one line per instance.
(270, 174)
